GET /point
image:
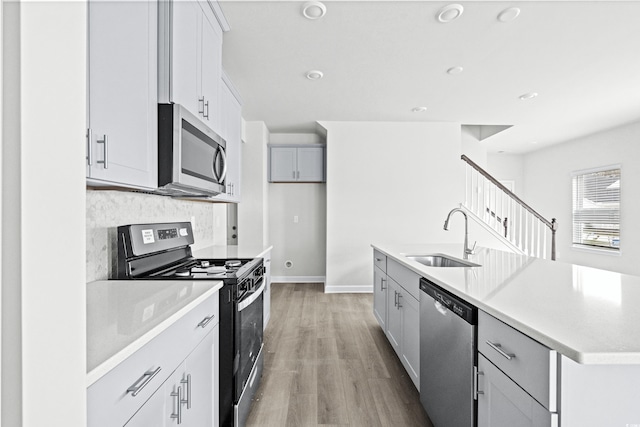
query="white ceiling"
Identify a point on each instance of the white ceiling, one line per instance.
(380, 59)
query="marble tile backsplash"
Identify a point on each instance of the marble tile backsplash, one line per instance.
(106, 210)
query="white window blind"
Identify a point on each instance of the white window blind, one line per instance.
(596, 208)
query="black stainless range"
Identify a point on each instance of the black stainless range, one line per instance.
(162, 252)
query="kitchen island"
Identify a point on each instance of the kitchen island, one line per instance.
(588, 318)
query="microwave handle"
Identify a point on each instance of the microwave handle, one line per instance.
(224, 162)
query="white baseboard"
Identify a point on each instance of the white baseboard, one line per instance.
(348, 289)
(298, 279)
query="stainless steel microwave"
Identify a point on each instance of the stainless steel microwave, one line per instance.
(191, 156)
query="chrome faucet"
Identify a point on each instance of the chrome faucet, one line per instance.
(467, 251)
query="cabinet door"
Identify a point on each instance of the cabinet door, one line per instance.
(185, 61)
(410, 348)
(394, 316)
(282, 164)
(123, 92)
(502, 403)
(267, 290)
(210, 71)
(198, 378)
(231, 131)
(380, 296)
(151, 413)
(310, 164)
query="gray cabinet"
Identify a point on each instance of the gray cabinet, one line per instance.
(296, 163)
(397, 310)
(517, 377)
(267, 290)
(502, 403)
(122, 94)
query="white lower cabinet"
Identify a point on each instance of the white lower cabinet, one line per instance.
(172, 380)
(502, 403)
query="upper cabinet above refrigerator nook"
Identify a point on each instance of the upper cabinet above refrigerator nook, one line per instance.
(190, 62)
(122, 99)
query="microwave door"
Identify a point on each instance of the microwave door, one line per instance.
(201, 161)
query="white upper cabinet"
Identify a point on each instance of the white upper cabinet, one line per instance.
(122, 100)
(296, 163)
(231, 131)
(190, 60)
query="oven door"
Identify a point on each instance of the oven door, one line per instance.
(248, 333)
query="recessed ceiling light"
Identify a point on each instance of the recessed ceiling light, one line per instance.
(529, 95)
(315, 75)
(455, 70)
(314, 10)
(450, 12)
(509, 14)
(419, 109)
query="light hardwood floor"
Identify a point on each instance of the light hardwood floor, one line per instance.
(328, 363)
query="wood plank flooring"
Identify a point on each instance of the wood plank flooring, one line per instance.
(328, 363)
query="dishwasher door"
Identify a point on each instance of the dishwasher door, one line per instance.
(447, 357)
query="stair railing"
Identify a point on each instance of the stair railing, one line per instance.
(506, 214)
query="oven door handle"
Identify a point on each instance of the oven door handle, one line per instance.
(251, 298)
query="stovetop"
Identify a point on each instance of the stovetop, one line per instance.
(206, 269)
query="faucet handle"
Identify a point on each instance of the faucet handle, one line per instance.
(470, 251)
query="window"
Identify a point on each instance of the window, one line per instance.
(596, 208)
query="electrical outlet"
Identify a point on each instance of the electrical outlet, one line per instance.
(295, 219)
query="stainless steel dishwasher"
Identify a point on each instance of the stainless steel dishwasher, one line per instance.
(447, 357)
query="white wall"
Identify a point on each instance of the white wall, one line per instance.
(387, 183)
(547, 180)
(253, 211)
(43, 192)
(301, 243)
(508, 167)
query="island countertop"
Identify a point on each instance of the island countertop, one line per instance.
(124, 315)
(589, 315)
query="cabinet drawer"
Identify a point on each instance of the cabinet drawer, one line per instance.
(380, 260)
(409, 280)
(527, 362)
(109, 402)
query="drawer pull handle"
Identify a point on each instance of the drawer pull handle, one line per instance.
(205, 321)
(497, 347)
(178, 414)
(142, 382)
(379, 259)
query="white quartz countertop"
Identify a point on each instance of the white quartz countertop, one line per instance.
(232, 251)
(591, 316)
(124, 315)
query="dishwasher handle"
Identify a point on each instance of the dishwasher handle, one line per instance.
(441, 308)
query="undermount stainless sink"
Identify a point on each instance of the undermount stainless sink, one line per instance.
(440, 260)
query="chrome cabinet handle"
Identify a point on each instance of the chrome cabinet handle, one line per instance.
(205, 321)
(395, 298)
(143, 381)
(206, 110)
(89, 148)
(105, 141)
(399, 296)
(294, 174)
(187, 382)
(497, 347)
(382, 281)
(201, 110)
(178, 396)
(298, 175)
(379, 259)
(476, 385)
